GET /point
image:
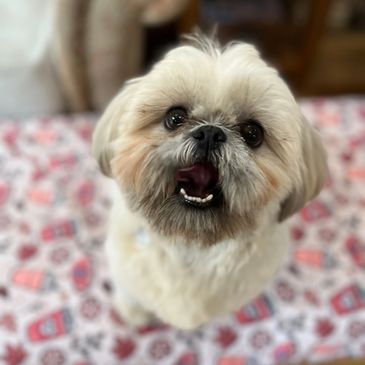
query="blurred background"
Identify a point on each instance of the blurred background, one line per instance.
(70, 56)
(318, 45)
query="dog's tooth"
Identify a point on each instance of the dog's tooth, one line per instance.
(196, 198)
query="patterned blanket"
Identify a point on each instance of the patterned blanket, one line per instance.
(54, 287)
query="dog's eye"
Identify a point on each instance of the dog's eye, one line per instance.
(252, 133)
(175, 117)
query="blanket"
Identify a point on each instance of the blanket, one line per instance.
(55, 291)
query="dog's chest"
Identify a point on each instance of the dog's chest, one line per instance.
(227, 269)
(186, 284)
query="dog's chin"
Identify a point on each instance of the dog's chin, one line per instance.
(198, 223)
(196, 209)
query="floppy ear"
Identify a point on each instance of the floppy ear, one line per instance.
(313, 172)
(105, 133)
(108, 128)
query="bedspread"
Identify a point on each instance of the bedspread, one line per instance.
(54, 288)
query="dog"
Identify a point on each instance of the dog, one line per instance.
(208, 153)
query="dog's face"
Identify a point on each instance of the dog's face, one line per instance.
(208, 141)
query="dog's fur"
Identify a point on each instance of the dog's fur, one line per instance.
(186, 264)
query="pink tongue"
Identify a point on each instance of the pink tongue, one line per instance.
(198, 179)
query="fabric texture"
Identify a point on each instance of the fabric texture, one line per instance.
(55, 291)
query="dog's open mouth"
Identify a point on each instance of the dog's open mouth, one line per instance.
(197, 185)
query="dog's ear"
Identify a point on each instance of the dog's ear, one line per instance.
(110, 126)
(313, 171)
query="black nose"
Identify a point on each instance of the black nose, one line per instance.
(208, 138)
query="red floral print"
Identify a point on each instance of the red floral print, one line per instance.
(324, 327)
(14, 354)
(226, 336)
(123, 347)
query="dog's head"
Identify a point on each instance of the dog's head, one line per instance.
(207, 141)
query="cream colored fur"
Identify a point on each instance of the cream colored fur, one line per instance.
(188, 266)
(183, 284)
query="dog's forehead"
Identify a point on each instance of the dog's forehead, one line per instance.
(234, 82)
(195, 66)
(220, 79)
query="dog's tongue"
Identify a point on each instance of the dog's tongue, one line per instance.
(197, 180)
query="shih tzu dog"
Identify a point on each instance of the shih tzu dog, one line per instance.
(209, 154)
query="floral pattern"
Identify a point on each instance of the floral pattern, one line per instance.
(55, 305)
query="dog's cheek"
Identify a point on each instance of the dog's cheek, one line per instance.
(271, 184)
(254, 189)
(130, 160)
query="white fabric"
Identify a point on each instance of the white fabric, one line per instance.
(28, 81)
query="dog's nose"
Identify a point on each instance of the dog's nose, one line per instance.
(208, 137)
